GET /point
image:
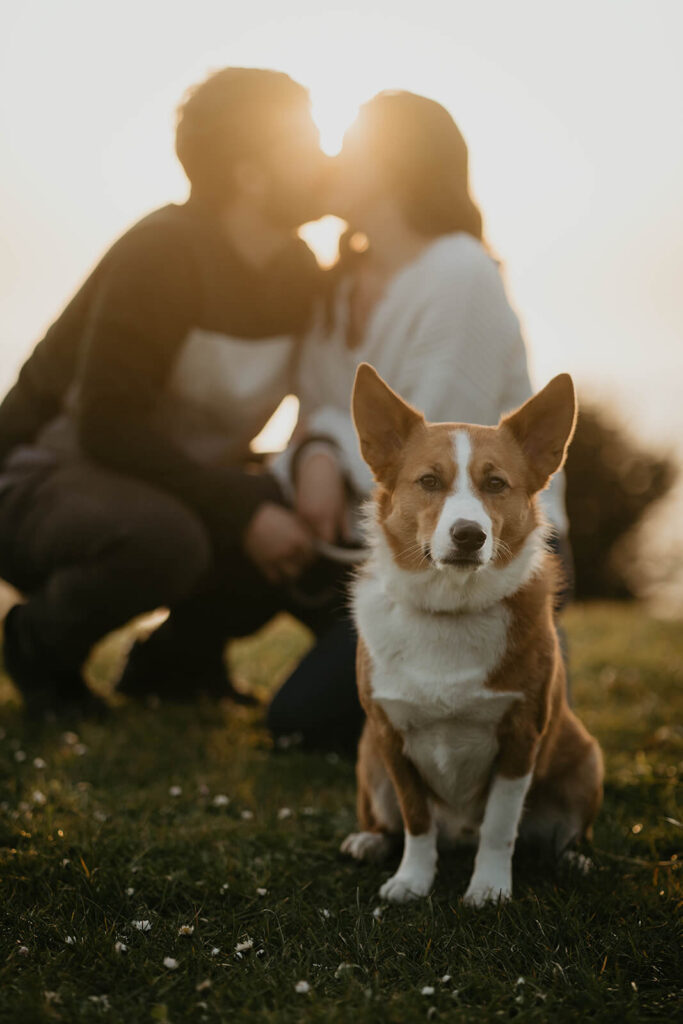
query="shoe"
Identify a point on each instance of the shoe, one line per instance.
(151, 672)
(46, 691)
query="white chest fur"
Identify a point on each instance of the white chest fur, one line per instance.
(428, 674)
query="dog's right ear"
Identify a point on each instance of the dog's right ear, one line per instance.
(382, 420)
(544, 427)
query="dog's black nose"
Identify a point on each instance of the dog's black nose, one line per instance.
(467, 536)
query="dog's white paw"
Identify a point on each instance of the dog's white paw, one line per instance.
(485, 889)
(575, 861)
(401, 888)
(372, 846)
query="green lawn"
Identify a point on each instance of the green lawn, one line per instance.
(92, 838)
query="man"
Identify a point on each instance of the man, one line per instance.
(124, 483)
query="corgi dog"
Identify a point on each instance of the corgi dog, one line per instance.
(468, 732)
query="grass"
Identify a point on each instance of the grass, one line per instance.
(92, 839)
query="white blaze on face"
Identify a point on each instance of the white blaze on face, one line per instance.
(461, 503)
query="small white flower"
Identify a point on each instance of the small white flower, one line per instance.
(170, 962)
(428, 990)
(221, 800)
(302, 987)
(284, 813)
(224, 888)
(175, 791)
(186, 929)
(70, 940)
(247, 815)
(130, 890)
(285, 742)
(325, 913)
(65, 862)
(101, 1001)
(120, 947)
(215, 950)
(38, 798)
(19, 756)
(23, 951)
(377, 913)
(142, 926)
(342, 969)
(80, 749)
(39, 763)
(446, 978)
(243, 946)
(520, 981)
(203, 985)
(261, 892)
(70, 738)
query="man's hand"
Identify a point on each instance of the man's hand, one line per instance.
(321, 496)
(278, 542)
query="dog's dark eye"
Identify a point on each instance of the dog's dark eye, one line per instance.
(430, 482)
(495, 484)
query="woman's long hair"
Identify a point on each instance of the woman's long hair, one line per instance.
(422, 158)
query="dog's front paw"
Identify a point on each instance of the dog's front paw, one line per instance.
(401, 888)
(370, 846)
(485, 890)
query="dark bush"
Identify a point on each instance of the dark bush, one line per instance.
(611, 484)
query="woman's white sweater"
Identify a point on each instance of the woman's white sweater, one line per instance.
(443, 335)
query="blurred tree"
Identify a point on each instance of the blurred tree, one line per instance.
(611, 484)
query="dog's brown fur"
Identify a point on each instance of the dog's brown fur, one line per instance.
(540, 732)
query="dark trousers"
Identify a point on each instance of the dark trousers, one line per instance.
(92, 549)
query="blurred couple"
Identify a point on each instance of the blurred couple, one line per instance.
(127, 482)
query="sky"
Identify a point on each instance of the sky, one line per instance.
(572, 113)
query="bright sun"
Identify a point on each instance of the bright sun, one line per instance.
(333, 114)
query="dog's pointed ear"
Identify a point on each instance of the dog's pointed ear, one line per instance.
(544, 427)
(382, 420)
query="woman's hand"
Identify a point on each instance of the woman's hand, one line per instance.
(321, 496)
(278, 542)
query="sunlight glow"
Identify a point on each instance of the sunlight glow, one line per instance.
(333, 112)
(323, 238)
(278, 430)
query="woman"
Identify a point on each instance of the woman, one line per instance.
(423, 301)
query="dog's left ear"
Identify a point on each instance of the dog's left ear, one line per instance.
(383, 422)
(543, 427)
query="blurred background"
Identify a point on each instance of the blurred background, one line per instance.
(572, 114)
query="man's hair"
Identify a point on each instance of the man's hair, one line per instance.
(230, 116)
